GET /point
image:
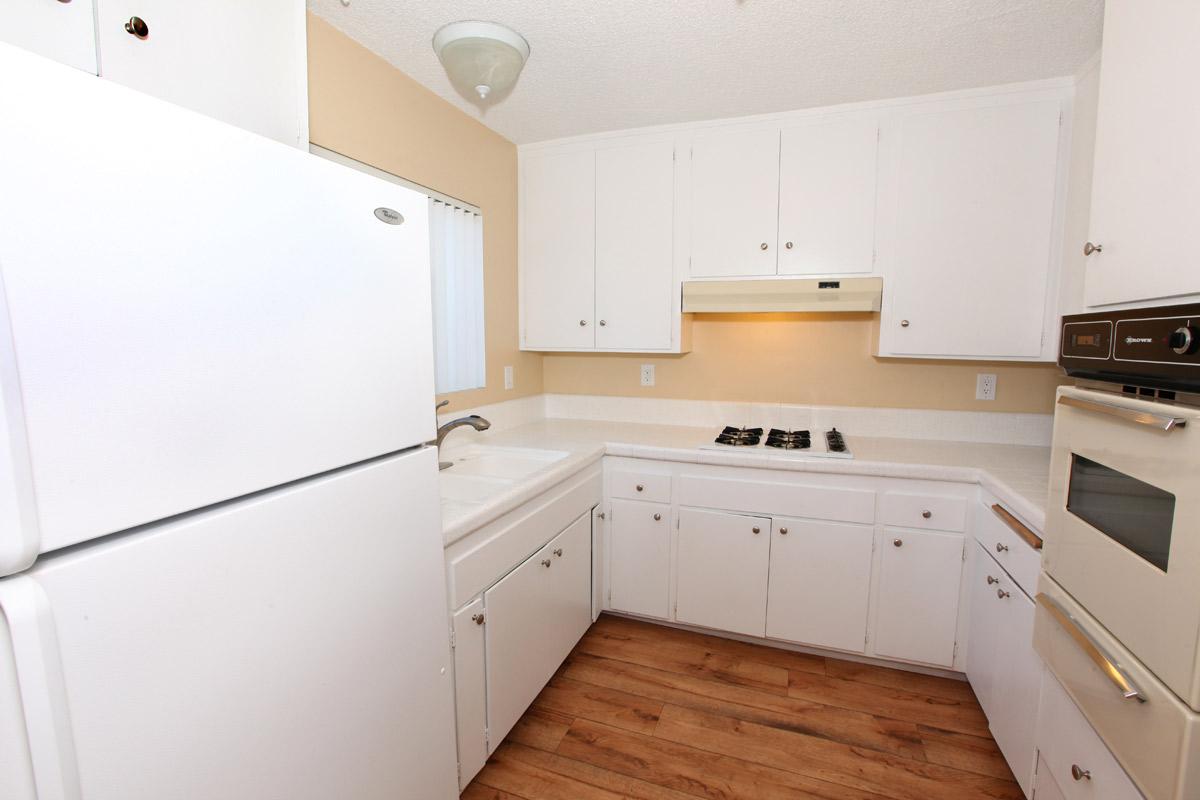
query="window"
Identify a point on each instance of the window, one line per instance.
(456, 258)
(456, 265)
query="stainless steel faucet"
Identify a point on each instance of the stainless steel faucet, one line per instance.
(474, 420)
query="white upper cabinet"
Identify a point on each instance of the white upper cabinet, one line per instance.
(969, 243)
(597, 247)
(243, 63)
(735, 202)
(1146, 184)
(63, 31)
(635, 192)
(827, 181)
(558, 249)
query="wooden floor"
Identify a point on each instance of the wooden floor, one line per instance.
(653, 713)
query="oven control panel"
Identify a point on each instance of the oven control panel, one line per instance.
(1154, 347)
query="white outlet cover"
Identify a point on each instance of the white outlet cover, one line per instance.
(985, 386)
(647, 374)
(508, 377)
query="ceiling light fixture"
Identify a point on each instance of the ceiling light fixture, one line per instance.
(483, 59)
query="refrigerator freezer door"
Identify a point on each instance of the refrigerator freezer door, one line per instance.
(196, 312)
(289, 646)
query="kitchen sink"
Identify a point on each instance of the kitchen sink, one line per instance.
(478, 472)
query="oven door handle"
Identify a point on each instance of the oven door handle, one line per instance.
(1162, 422)
(1094, 651)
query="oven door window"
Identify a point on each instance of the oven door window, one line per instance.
(1132, 513)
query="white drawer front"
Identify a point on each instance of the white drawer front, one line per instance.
(780, 499)
(1016, 555)
(647, 486)
(1149, 739)
(924, 511)
(1077, 760)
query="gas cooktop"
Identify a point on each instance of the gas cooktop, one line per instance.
(799, 444)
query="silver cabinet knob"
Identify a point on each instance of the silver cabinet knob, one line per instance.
(992, 580)
(545, 562)
(897, 543)
(762, 246)
(926, 514)
(788, 245)
(582, 323)
(756, 529)
(640, 488)
(558, 552)
(783, 531)
(1080, 774)
(601, 515)
(904, 323)
(658, 517)
(478, 619)
(1090, 248)
(1002, 594)
(1001, 548)
(136, 26)
(603, 323)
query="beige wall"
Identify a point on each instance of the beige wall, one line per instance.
(364, 108)
(802, 358)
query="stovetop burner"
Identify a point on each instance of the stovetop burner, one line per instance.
(739, 437)
(789, 440)
(834, 441)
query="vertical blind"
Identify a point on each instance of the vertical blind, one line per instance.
(456, 259)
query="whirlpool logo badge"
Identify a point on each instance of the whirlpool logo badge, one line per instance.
(1138, 340)
(389, 216)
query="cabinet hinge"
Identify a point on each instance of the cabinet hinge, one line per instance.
(487, 739)
(954, 655)
(964, 550)
(1060, 118)
(453, 639)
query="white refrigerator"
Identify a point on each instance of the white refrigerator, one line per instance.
(221, 565)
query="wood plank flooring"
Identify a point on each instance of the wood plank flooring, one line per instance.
(645, 712)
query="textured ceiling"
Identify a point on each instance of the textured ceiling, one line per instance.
(601, 65)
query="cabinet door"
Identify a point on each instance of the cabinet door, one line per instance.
(470, 690)
(827, 198)
(635, 219)
(535, 615)
(970, 221)
(735, 203)
(920, 574)
(65, 32)
(244, 63)
(721, 571)
(1044, 787)
(820, 583)
(558, 249)
(1146, 183)
(983, 632)
(1013, 717)
(640, 558)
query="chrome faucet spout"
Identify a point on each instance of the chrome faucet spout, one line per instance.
(474, 420)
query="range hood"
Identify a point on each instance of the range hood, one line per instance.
(783, 294)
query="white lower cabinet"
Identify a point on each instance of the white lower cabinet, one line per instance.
(919, 578)
(535, 615)
(639, 541)
(1002, 666)
(1044, 786)
(820, 565)
(470, 689)
(721, 571)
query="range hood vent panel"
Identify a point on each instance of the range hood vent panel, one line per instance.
(783, 294)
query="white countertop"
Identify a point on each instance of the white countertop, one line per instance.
(1016, 474)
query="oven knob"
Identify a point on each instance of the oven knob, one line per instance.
(1183, 340)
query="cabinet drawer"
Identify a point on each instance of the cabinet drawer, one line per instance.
(1013, 552)
(924, 511)
(1067, 746)
(648, 486)
(782, 499)
(1154, 741)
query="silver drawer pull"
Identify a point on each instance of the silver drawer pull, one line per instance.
(1002, 594)
(545, 562)
(756, 529)
(558, 552)
(1162, 422)
(478, 619)
(992, 580)
(658, 517)
(926, 514)
(1001, 547)
(640, 488)
(1080, 774)
(1114, 673)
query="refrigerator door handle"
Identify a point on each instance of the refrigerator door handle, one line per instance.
(41, 687)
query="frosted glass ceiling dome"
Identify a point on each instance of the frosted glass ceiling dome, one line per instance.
(483, 59)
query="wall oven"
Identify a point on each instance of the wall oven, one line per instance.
(1119, 601)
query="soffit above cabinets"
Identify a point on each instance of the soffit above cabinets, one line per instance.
(608, 66)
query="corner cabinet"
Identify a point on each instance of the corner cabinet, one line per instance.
(597, 260)
(242, 63)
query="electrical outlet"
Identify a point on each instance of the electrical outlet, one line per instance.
(508, 378)
(985, 386)
(647, 374)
